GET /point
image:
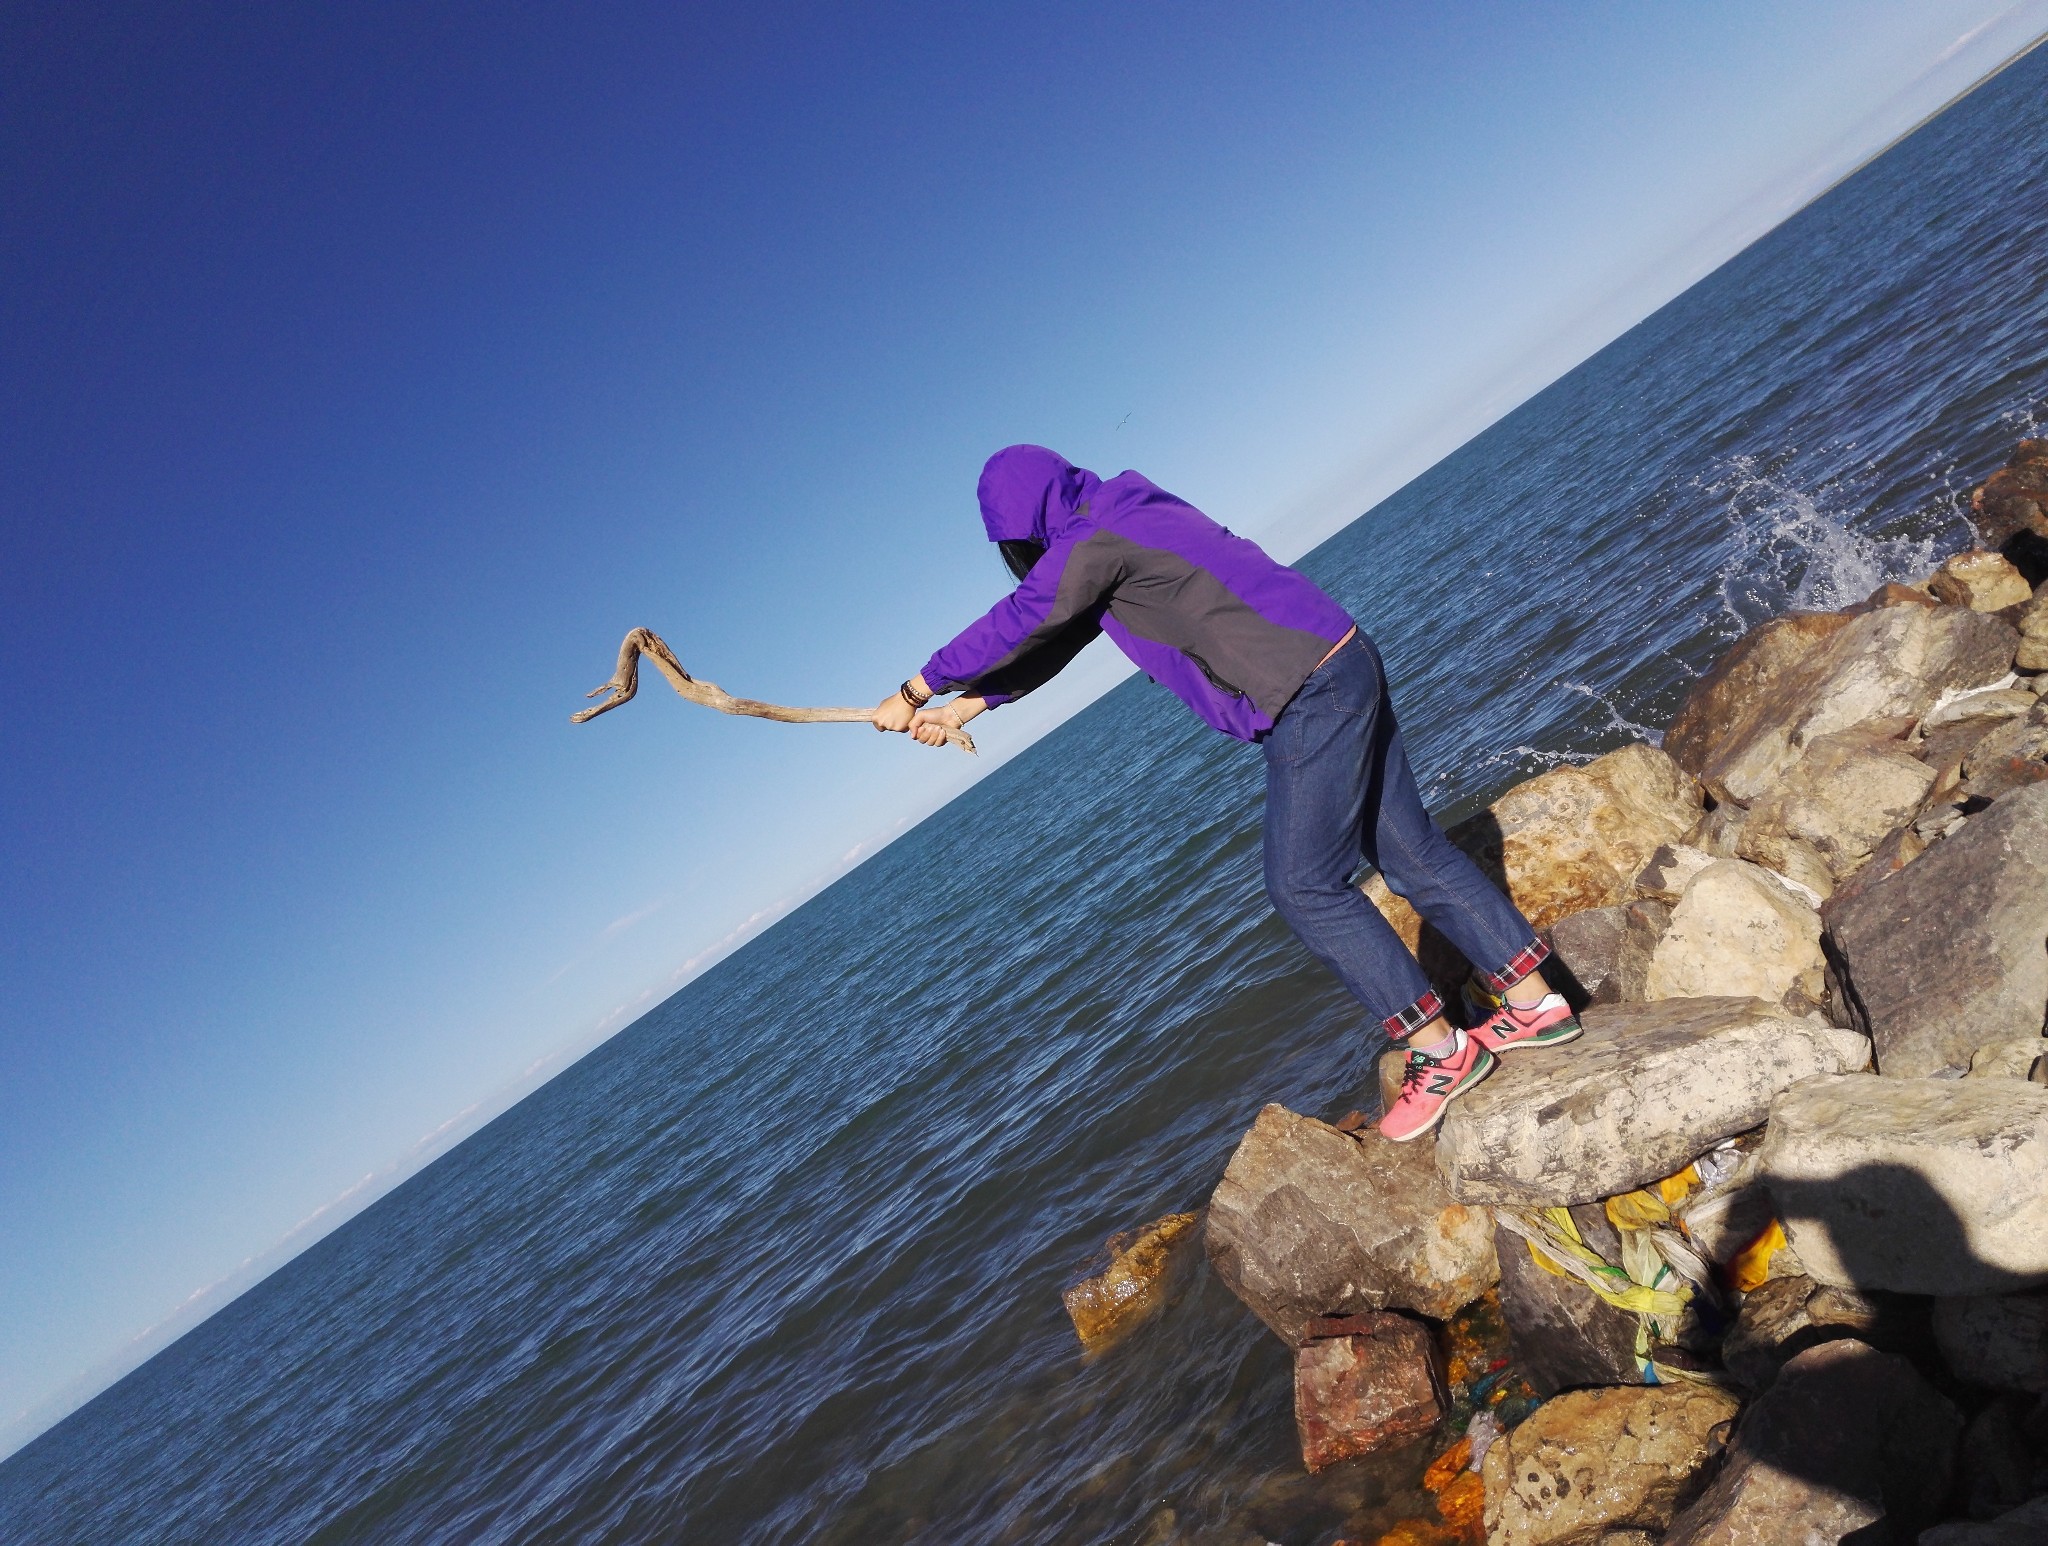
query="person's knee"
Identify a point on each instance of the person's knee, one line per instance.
(1299, 899)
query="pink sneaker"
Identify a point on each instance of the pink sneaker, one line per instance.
(1429, 1084)
(1545, 1023)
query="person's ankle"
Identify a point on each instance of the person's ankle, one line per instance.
(1439, 1046)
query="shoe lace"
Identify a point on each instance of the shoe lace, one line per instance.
(1416, 1069)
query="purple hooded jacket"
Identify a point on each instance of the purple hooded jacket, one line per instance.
(1207, 614)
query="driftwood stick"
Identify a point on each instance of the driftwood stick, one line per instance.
(625, 681)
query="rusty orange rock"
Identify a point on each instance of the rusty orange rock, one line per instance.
(1361, 1383)
(1106, 1305)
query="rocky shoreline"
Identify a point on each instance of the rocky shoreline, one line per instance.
(1761, 1257)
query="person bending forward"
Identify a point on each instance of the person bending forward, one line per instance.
(1258, 651)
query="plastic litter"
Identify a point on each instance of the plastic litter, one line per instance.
(1484, 1430)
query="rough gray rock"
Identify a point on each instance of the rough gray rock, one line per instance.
(1802, 677)
(1645, 1090)
(1586, 944)
(1308, 1221)
(1847, 1437)
(1846, 792)
(1564, 1334)
(1948, 954)
(1738, 929)
(1593, 1462)
(1643, 923)
(1982, 709)
(2010, 757)
(2023, 1526)
(1999, 1341)
(1918, 1186)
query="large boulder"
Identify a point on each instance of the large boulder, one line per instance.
(1564, 1334)
(1919, 1186)
(1999, 1341)
(1844, 795)
(1849, 1445)
(1562, 842)
(1801, 677)
(1361, 1383)
(1738, 929)
(1948, 953)
(1595, 1461)
(1647, 1088)
(1308, 1221)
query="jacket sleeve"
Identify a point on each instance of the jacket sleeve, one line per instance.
(1024, 639)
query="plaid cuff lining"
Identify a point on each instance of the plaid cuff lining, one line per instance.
(1521, 966)
(1399, 1027)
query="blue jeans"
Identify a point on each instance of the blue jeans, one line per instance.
(1338, 791)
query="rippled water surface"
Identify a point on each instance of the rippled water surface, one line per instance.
(781, 1261)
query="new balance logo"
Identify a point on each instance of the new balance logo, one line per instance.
(1440, 1084)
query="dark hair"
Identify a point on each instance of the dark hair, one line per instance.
(1020, 554)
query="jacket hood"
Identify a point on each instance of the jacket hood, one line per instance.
(1030, 494)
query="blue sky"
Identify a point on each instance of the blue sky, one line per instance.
(369, 370)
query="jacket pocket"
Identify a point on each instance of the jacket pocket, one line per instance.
(1215, 681)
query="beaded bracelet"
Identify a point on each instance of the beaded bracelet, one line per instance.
(912, 698)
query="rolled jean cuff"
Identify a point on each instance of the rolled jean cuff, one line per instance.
(1400, 1026)
(1524, 962)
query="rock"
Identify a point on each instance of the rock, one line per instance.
(2019, 1058)
(1111, 1302)
(1916, 1186)
(1663, 879)
(1738, 930)
(1719, 831)
(1308, 1221)
(1994, 703)
(1998, 1341)
(1361, 1383)
(1648, 1087)
(1643, 923)
(1564, 1334)
(1785, 1316)
(1946, 955)
(1846, 1437)
(1893, 855)
(2031, 655)
(1998, 1468)
(1944, 748)
(2023, 1526)
(2012, 502)
(1585, 944)
(1793, 860)
(1567, 840)
(1846, 792)
(1981, 581)
(2010, 757)
(1595, 1461)
(1796, 679)
(1893, 594)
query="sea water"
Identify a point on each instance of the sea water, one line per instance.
(781, 1261)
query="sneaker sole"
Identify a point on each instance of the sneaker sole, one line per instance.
(1546, 1039)
(1479, 1072)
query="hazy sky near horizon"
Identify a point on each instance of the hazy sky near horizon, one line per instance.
(369, 370)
